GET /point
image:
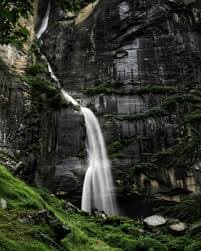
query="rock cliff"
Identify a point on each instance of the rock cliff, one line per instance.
(136, 64)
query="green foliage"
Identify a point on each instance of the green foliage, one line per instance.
(114, 87)
(131, 230)
(115, 150)
(188, 210)
(129, 244)
(10, 29)
(196, 246)
(44, 94)
(157, 89)
(13, 245)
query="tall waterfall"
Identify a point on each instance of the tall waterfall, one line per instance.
(98, 190)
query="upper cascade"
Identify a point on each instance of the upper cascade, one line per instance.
(44, 23)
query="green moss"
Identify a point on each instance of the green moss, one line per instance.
(13, 245)
(105, 88)
(196, 246)
(115, 87)
(116, 148)
(157, 89)
(17, 193)
(44, 94)
(171, 101)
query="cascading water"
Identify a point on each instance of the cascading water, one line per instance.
(44, 23)
(98, 190)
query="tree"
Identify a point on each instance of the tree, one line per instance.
(11, 11)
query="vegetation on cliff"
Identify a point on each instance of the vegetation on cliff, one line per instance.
(11, 30)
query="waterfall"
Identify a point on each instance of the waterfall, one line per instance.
(44, 23)
(98, 190)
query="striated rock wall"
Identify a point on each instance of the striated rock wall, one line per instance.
(137, 65)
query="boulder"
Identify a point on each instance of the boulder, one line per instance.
(3, 203)
(178, 227)
(155, 220)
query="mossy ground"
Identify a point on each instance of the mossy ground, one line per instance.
(87, 232)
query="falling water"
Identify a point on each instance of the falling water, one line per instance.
(44, 23)
(98, 187)
(69, 98)
(52, 74)
(98, 190)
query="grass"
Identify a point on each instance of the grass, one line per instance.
(17, 194)
(88, 233)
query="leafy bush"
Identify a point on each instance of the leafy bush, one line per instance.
(36, 69)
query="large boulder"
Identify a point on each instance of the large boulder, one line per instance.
(155, 220)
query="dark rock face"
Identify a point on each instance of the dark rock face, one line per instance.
(154, 42)
(25, 134)
(136, 64)
(147, 47)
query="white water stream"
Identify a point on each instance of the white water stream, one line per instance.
(98, 190)
(44, 23)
